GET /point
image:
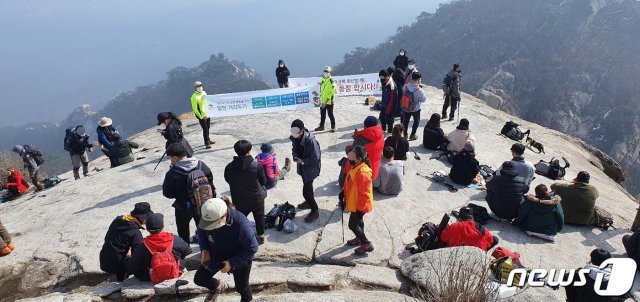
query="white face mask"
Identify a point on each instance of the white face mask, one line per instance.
(295, 132)
(412, 67)
(281, 65)
(199, 88)
(326, 74)
(402, 53)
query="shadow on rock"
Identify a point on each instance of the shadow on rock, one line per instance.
(122, 198)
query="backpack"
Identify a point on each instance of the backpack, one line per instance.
(279, 214)
(552, 169)
(67, 138)
(480, 213)
(163, 265)
(605, 219)
(35, 153)
(407, 100)
(198, 187)
(429, 235)
(511, 130)
(486, 171)
(501, 269)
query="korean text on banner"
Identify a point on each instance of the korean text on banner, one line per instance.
(359, 84)
(262, 101)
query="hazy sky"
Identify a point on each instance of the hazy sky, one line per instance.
(55, 55)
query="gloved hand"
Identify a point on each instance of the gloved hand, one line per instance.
(341, 202)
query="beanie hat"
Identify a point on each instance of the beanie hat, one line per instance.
(266, 148)
(469, 147)
(464, 124)
(18, 149)
(197, 84)
(370, 121)
(154, 222)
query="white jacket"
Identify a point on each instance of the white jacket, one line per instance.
(457, 138)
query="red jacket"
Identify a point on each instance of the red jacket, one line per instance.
(15, 181)
(466, 233)
(372, 139)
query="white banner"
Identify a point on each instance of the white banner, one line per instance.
(359, 84)
(262, 101)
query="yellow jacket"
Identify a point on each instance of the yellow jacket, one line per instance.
(197, 104)
(358, 190)
(327, 90)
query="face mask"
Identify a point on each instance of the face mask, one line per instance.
(352, 163)
(412, 67)
(459, 70)
(199, 88)
(80, 131)
(326, 74)
(402, 53)
(295, 132)
(281, 65)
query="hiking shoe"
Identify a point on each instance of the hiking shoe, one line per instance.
(5, 251)
(413, 137)
(194, 239)
(353, 242)
(304, 206)
(260, 239)
(320, 128)
(364, 248)
(10, 246)
(311, 217)
(451, 118)
(287, 162)
(333, 129)
(207, 146)
(213, 294)
(211, 142)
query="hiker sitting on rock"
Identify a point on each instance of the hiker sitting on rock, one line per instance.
(390, 179)
(505, 192)
(587, 292)
(123, 237)
(465, 166)
(247, 179)
(357, 197)
(268, 160)
(120, 152)
(460, 136)
(15, 184)
(6, 247)
(372, 138)
(524, 167)
(467, 232)
(631, 245)
(140, 263)
(228, 245)
(398, 142)
(578, 200)
(173, 131)
(541, 214)
(433, 136)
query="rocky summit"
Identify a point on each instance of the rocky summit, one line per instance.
(58, 232)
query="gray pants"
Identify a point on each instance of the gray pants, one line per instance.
(5, 237)
(80, 160)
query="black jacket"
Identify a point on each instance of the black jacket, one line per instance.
(464, 169)
(401, 61)
(246, 179)
(79, 144)
(140, 260)
(173, 134)
(307, 149)
(505, 193)
(398, 78)
(282, 74)
(433, 139)
(400, 146)
(121, 236)
(175, 181)
(121, 152)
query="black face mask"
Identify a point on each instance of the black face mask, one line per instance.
(459, 71)
(352, 163)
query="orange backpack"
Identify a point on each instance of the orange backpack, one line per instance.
(407, 99)
(163, 265)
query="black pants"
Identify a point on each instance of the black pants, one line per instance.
(448, 100)
(283, 85)
(495, 242)
(204, 278)
(406, 116)
(205, 124)
(183, 218)
(258, 216)
(387, 120)
(323, 115)
(356, 225)
(307, 193)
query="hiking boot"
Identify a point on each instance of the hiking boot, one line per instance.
(304, 206)
(451, 118)
(10, 246)
(311, 217)
(207, 146)
(213, 294)
(333, 129)
(287, 162)
(211, 142)
(413, 137)
(353, 242)
(5, 251)
(320, 128)
(364, 248)
(260, 239)
(194, 239)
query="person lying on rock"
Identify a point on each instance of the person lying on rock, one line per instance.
(505, 192)
(578, 200)
(467, 232)
(6, 247)
(228, 245)
(122, 237)
(140, 263)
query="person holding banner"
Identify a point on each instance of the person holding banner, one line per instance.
(198, 104)
(327, 92)
(282, 74)
(306, 154)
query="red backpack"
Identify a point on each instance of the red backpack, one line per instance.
(163, 265)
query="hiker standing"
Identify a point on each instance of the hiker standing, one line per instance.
(123, 237)
(6, 246)
(401, 60)
(451, 87)
(357, 196)
(389, 101)
(398, 79)
(78, 144)
(30, 163)
(247, 180)
(15, 184)
(176, 185)
(411, 69)
(120, 151)
(228, 245)
(306, 154)
(105, 132)
(173, 131)
(414, 96)
(327, 93)
(282, 74)
(372, 138)
(140, 262)
(198, 103)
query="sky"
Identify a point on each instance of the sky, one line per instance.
(56, 55)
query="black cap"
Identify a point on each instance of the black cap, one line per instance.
(383, 73)
(154, 222)
(297, 123)
(466, 213)
(416, 76)
(141, 210)
(163, 116)
(583, 176)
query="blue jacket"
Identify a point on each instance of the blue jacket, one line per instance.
(234, 242)
(104, 137)
(389, 97)
(307, 149)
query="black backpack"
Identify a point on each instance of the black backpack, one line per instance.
(511, 130)
(278, 215)
(552, 169)
(429, 235)
(67, 138)
(486, 171)
(480, 213)
(35, 153)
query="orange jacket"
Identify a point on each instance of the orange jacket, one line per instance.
(358, 189)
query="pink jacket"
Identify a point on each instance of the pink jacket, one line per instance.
(269, 163)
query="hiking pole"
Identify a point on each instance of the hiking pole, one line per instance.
(415, 155)
(459, 105)
(342, 218)
(161, 158)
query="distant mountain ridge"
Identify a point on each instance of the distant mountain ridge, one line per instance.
(571, 65)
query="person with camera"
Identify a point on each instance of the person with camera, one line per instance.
(173, 131)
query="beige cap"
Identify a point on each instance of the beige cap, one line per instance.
(212, 211)
(105, 122)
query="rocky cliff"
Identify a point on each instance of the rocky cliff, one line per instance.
(571, 65)
(58, 232)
